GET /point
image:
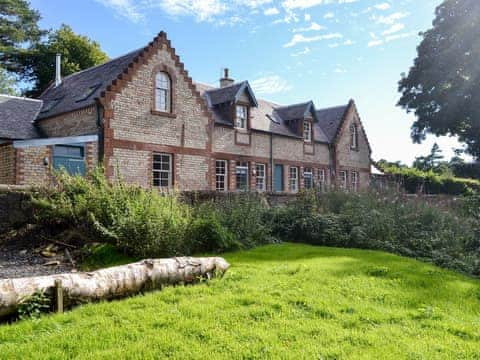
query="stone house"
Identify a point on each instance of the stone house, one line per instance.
(148, 122)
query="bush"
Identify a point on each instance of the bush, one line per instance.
(139, 222)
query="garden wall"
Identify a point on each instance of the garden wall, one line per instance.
(15, 207)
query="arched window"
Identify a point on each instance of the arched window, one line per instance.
(353, 136)
(163, 93)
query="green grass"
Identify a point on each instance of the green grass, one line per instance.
(279, 301)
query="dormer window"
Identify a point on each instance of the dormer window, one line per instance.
(163, 92)
(353, 137)
(241, 116)
(307, 131)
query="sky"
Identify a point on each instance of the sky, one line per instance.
(291, 51)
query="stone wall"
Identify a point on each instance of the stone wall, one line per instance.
(76, 123)
(33, 165)
(15, 208)
(7, 164)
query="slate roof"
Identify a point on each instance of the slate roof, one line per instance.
(80, 89)
(330, 119)
(17, 116)
(267, 116)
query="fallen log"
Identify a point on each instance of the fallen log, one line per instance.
(110, 283)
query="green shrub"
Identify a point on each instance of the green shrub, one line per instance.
(33, 306)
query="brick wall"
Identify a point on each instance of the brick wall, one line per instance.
(7, 164)
(31, 166)
(132, 166)
(80, 122)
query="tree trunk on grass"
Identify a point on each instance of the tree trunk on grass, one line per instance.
(115, 282)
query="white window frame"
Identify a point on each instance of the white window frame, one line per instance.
(321, 179)
(293, 179)
(242, 165)
(308, 174)
(221, 177)
(169, 172)
(163, 92)
(343, 179)
(354, 175)
(241, 117)
(307, 131)
(260, 179)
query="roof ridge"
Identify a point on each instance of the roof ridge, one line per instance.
(226, 87)
(20, 97)
(297, 104)
(102, 64)
(332, 107)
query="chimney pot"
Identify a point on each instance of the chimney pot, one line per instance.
(226, 81)
(58, 69)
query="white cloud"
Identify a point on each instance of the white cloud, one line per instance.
(390, 19)
(272, 84)
(329, 15)
(339, 70)
(305, 4)
(271, 11)
(399, 36)
(125, 8)
(302, 52)
(313, 27)
(202, 10)
(308, 17)
(394, 28)
(348, 42)
(375, 43)
(334, 45)
(382, 6)
(299, 38)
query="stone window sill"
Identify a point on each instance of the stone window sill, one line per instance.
(162, 113)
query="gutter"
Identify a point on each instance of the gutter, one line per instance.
(101, 131)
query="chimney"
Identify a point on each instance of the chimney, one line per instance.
(226, 81)
(58, 70)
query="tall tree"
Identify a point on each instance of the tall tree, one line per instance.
(7, 83)
(18, 30)
(78, 53)
(430, 162)
(443, 86)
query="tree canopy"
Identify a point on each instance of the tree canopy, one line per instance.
(443, 86)
(18, 30)
(78, 53)
(7, 83)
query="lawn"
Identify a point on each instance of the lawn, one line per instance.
(280, 301)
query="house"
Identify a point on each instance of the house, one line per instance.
(148, 122)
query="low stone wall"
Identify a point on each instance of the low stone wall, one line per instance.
(15, 207)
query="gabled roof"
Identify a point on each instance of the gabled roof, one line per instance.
(330, 120)
(17, 116)
(296, 111)
(229, 94)
(80, 89)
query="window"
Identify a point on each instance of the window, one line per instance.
(293, 179)
(307, 131)
(241, 172)
(241, 117)
(71, 158)
(221, 172)
(354, 175)
(343, 180)
(321, 179)
(260, 185)
(308, 178)
(162, 170)
(163, 94)
(353, 137)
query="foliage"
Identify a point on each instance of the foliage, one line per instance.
(137, 221)
(284, 301)
(443, 87)
(78, 53)
(7, 83)
(34, 306)
(99, 256)
(428, 182)
(431, 161)
(18, 26)
(390, 223)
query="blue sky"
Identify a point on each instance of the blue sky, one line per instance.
(328, 51)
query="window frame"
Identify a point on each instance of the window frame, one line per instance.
(263, 186)
(306, 176)
(237, 118)
(167, 93)
(308, 138)
(224, 175)
(242, 165)
(354, 180)
(343, 179)
(322, 178)
(353, 136)
(293, 181)
(162, 171)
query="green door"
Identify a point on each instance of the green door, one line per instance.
(278, 186)
(71, 158)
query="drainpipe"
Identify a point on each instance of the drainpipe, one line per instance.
(271, 163)
(101, 132)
